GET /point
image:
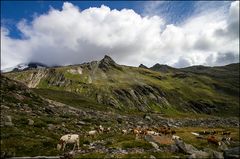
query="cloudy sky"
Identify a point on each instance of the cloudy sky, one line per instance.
(179, 34)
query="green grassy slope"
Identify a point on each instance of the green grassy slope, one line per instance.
(37, 124)
(131, 89)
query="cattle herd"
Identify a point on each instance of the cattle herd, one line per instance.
(140, 132)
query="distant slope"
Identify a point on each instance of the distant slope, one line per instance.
(228, 71)
(132, 89)
(163, 68)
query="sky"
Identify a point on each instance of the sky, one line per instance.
(176, 33)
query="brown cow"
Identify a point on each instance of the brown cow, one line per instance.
(213, 140)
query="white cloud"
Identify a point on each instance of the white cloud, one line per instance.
(71, 36)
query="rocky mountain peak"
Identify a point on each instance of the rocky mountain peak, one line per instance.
(36, 65)
(143, 66)
(107, 62)
(163, 68)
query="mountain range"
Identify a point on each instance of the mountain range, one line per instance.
(160, 88)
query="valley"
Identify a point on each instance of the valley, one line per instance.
(39, 105)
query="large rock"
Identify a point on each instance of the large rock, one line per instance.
(223, 147)
(199, 154)
(214, 154)
(8, 121)
(186, 148)
(232, 153)
(154, 145)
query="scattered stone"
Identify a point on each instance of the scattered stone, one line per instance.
(154, 145)
(30, 122)
(147, 117)
(51, 127)
(81, 123)
(8, 121)
(152, 157)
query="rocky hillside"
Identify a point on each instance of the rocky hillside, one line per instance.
(160, 88)
(31, 125)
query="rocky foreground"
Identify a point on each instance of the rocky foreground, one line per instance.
(115, 142)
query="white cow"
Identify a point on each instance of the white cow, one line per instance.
(175, 137)
(68, 139)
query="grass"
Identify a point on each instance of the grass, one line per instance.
(185, 134)
(31, 140)
(71, 99)
(178, 91)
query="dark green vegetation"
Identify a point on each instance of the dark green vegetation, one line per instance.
(77, 99)
(197, 89)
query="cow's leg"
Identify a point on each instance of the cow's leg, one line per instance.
(74, 146)
(78, 144)
(64, 144)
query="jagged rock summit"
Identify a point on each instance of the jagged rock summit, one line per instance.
(162, 68)
(107, 62)
(143, 66)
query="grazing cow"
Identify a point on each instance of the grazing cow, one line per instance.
(100, 129)
(165, 130)
(92, 133)
(173, 132)
(136, 132)
(68, 139)
(175, 137)
(151, 133)
(213, 132)
(227, 133)
(226, 140)
(124, 131)
(107, 130)
(212, 139)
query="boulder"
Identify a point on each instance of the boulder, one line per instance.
(214, 154)
(232, 153)
(185, 148)
(147, 117)
(217, 154)
(8, 121)
(174, 148)
(152, 157)
(154, 145)
(30, 122)
(51, 127)
(199, 154)
(223, 146)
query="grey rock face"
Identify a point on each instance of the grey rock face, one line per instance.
(186, 148)
(106, 63)
(232, 153)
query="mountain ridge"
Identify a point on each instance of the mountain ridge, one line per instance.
(131, 88)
